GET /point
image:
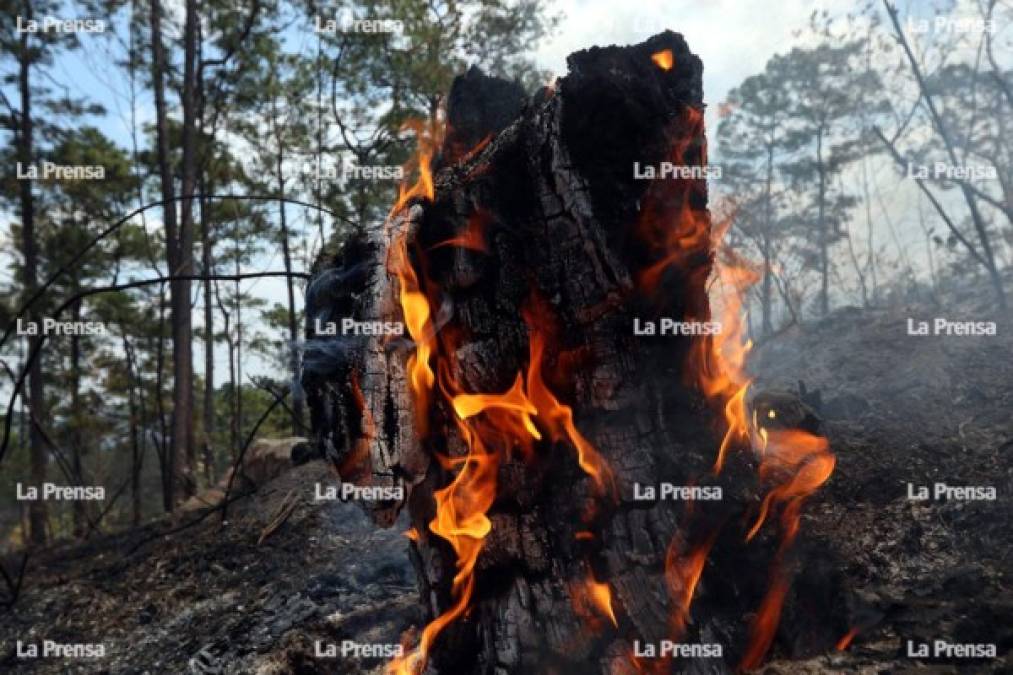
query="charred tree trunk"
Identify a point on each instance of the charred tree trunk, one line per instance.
(545, 235)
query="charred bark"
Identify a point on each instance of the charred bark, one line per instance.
(549, 215)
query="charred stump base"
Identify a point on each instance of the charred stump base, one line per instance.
(549, 215)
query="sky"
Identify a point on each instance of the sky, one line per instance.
(734, 38)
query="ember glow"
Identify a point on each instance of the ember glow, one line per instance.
(473, 237)
(663, 59)
(675, 244)
(846, 640)
(354, 465)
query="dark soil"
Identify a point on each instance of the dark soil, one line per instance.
(916, 410)
(898, 409)
(208, 599)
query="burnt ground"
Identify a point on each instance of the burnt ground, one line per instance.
(208, 599)
(905, 409)
(898, 410)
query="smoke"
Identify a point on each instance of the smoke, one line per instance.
(333, 283)
(325, 356)
(328, 356)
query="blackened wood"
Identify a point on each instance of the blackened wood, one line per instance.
(563, 220)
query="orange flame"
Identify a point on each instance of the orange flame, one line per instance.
(428, 135)
(592, 595)
(368, 425)
(680, 240)
(663, 59)
(803, 462)
(489, 424)
(602, 598)
(682, 574)
(795, 462)
(414, 304)
(354, 466)
(461, 519)
(514, 399)
(558, 417)
(764, 626)
(418, 322)
(846, 639)
(719, 361)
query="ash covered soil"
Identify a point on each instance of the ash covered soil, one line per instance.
(209, 599)
(898, 409)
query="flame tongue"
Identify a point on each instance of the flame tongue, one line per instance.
(592, 598)
(719, 361)
(490, 425)
(802, 462)
(557, 416)
(846, 639)
(682, 573)
(514, 400)
(793, 463)
(415, 305)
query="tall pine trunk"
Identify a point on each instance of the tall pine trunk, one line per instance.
(77, 416)
(293, 326)
(158, 69)
(182, 320)
(207, 264)
(36, 384)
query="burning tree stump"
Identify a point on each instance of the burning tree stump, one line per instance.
(521, 414)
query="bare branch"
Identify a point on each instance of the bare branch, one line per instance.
(932, 198)
(34, 354)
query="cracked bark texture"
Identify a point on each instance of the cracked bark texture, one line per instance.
(562, 214)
